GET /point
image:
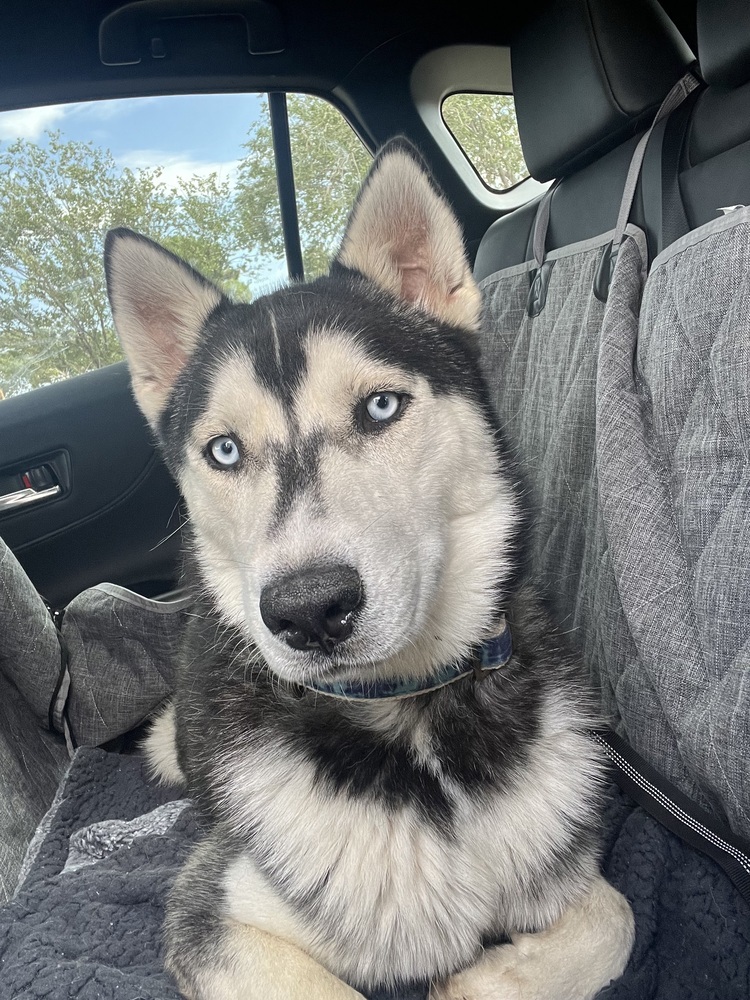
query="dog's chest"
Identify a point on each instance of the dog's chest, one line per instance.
(379, 886)
(371, 889)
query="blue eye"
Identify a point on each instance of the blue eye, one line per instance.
(382, 406)
(223, 451)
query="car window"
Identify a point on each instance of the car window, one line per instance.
(485, 127)
(329, 163)
(196, 173)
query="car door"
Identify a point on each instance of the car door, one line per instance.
(84, 496)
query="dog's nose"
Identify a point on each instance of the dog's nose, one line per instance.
(312, 608)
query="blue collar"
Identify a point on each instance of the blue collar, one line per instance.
(490, 655)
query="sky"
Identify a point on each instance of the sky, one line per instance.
(182, 134)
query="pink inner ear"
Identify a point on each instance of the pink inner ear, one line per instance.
(413, 282)
(411, 255)
(167, 354)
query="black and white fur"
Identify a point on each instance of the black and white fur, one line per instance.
(377, 842)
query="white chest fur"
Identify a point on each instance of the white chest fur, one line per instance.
(378, 894)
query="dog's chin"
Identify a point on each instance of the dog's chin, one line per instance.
(352, 660)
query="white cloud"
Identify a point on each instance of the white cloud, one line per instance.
(30, 123)
(176, 166)
(114, 108)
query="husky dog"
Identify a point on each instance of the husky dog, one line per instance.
(371, 706)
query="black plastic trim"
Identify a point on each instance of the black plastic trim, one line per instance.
(285, 181)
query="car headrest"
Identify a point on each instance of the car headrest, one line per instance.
(586, 74)
(724, 42)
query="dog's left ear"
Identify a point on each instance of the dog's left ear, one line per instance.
(403, 235)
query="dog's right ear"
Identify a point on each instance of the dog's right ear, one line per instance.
(159, 304)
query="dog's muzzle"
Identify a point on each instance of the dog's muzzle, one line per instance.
(313, 608)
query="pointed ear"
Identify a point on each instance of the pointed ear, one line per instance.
(403, 235)
(159, 304)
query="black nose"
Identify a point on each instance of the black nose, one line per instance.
(312, 608)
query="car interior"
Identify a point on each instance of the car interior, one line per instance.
(116, 499)
(633, 119)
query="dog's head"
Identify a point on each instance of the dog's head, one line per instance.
(349, 505)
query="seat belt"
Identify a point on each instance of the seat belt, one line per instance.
(660, 186)
(539, 278)
(674, 101)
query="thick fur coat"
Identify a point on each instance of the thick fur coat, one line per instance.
(354, 516)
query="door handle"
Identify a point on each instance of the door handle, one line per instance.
(24, 497)
(37, 484)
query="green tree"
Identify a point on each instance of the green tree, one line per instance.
(57, 201)
(329, 164)
(52, 314)
(485, 126)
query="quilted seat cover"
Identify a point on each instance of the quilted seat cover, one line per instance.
(632, 424)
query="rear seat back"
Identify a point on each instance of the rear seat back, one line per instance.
(639, 476)
(715, 162)
(544, 367)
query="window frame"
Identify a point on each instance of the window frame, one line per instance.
(467, 69)
(477, 93)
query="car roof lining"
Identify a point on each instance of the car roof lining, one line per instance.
(50, 52)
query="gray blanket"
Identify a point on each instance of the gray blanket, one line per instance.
(85, 921)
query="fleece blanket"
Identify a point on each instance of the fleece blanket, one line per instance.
(85, 920)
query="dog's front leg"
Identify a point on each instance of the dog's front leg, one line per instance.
(248, 964)
(570, 960)
(213, 955)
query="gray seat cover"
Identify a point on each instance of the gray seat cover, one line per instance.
(673, 440)
(638, 480)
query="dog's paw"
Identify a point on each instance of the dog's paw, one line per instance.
(519, 971)
(501, 974)
(531, 968)
(571, 959)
